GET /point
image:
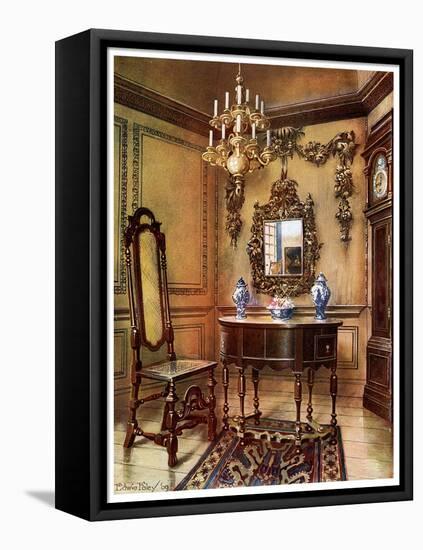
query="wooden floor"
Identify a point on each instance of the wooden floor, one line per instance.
(367, 439)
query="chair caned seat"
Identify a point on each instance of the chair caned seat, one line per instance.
(174, 370)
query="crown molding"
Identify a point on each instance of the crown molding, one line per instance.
(352, 105)
(375, 90)
(133, 95)
(316, 112)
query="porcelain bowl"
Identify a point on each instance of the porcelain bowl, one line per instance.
(281, 314)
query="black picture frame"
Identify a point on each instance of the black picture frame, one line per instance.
(81, 254)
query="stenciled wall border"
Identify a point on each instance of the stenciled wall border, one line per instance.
(122, 123)
(137, 180)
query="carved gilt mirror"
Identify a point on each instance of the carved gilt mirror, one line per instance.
(283, 248)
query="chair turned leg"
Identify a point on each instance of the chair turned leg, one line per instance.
(212, 421)
(132, 426)
(171, 423)
(333, 393)
(165, 410)
(256, 402)
(298, 397)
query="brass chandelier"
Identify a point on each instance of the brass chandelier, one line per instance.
(238, 150)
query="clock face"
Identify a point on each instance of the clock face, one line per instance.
(380, 177)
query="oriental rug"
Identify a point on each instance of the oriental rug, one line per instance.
(268, 458)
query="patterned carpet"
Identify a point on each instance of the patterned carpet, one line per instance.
(270, 461)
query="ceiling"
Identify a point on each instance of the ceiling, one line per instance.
(197, 83)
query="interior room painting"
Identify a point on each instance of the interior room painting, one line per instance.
(325, 180)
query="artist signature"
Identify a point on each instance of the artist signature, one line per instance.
(141, 486)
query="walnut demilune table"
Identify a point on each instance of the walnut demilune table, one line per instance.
(302, 345)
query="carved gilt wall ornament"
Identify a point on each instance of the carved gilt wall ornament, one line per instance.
(284, 204)
(284, 145)
(342, 146)
(234, 197)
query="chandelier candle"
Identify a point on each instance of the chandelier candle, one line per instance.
(237, 152)
(238, 124)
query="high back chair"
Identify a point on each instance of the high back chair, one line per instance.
(151, 327)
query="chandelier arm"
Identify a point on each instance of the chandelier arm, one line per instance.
(238, 153)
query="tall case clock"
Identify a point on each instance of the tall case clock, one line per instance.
(378, 172)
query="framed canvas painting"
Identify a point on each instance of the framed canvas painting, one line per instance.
(234, 274)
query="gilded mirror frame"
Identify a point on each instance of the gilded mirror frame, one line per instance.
(284, 204)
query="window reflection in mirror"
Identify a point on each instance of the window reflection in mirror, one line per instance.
(283, 247)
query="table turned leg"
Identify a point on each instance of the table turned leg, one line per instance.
(241, 393)
(225, 382)
(310, 383)
(211, 383)
(257, 413)
(298, 397)
(333, 392)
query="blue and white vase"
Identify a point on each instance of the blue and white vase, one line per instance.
(241, 297)
(320, 294)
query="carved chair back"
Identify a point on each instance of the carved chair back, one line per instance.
(145, 247)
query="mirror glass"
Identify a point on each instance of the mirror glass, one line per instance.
(150, 283)
(283, 248)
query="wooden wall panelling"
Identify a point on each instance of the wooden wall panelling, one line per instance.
(192, 326)
(122, 356)
(121, 345)
(177, 192)
(348, 347)
(165, 172)
(335, 257)
(166, 124)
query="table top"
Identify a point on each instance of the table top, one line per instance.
(265, 321)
